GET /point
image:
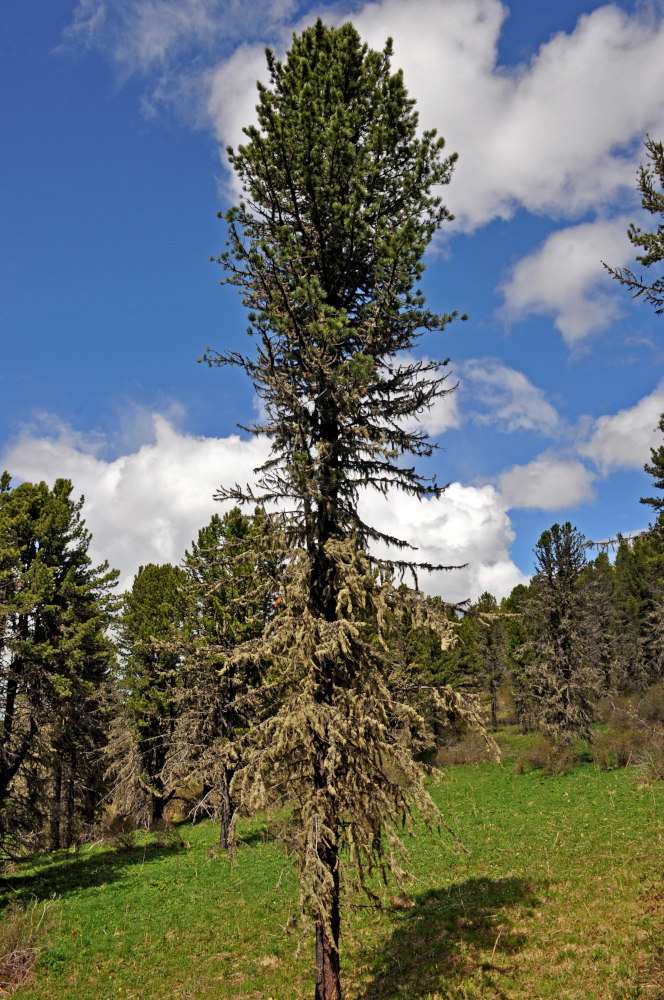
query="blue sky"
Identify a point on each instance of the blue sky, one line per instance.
(116, 116)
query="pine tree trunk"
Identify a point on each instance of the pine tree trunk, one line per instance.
(226, 812)
(157, 800)
(328, 978)
(493, 690)
(328, 973)
(70, 802)
(54, 813)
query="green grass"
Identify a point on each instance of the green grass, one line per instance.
(561, 897)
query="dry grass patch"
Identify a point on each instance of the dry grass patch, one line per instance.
(22, 935)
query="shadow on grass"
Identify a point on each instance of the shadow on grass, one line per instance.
(445, 938)
(61, 872)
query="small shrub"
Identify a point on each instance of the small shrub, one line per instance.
(635, 736)
(119, 831)
(649, 760)
(547, 754)
(616, 747)
(650, 707)
(467, 748)
(166, 834)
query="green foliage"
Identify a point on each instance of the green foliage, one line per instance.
(226, 606)
(650, 243)
(638, 574)
(656, 470)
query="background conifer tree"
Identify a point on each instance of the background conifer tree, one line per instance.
(564, 675)
(327, 252)
(225, 607)
(55, 656)
(656, 469)
(151, 629)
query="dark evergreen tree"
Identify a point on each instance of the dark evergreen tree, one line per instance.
(151, 629)
(225, 608)
(638, 599)
(56, 608)
(597, 585)
(651, 244)
(490, 650)
(639, 593)
(327, 252)
(518, 653)
(563, 676)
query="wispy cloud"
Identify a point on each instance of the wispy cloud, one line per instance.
(509, 399)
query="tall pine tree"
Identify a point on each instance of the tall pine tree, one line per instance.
(151, 633)
(327, 253)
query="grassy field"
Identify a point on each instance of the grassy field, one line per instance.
(562, 897)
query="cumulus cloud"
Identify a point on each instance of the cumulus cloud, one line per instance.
(510, 399)
(557, 134)
(468, 524)
(549, 135)
(554, 480)
(623, 440)
(564, 278)
(547, 483)
(147, 505)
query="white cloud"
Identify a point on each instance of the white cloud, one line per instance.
(565, 278)
(613, 441)
(624, 439)
(547, 483)
(511, 400)
(467, 524)
(232, 96)
(147, 506)
(550, 135)
(556, 135)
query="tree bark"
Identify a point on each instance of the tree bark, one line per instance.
(493, 691)
(226, 812)
(70, 801)
(54, 813)
(328, 972)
